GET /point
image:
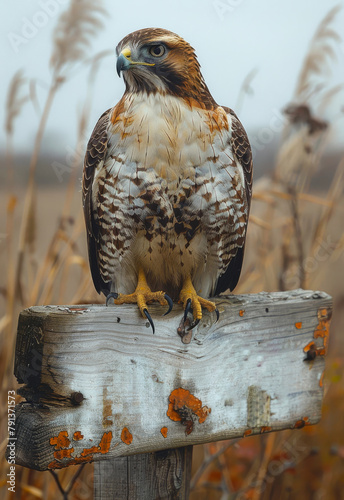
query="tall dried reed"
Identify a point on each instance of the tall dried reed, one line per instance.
(28, 281)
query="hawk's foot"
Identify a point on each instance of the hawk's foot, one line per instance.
(143, 296)
(190, 300)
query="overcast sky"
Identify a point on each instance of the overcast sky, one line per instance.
(231, 38)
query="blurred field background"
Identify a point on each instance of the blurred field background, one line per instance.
(295, 239)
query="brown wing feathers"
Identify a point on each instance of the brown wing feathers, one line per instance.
(242, 151)
(95, 154)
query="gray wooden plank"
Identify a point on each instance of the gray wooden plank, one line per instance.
(91, 372)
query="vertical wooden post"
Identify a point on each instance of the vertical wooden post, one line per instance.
(159, 475)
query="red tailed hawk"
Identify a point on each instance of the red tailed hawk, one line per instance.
(166, 183)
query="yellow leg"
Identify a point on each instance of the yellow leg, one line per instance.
(189, 298)
(142, 296)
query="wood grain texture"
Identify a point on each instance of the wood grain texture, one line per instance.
(99, 384)
(161, 475)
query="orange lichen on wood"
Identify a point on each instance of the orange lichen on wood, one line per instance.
(310, 346)
(183, 406)
(89, 451)
(321, 381)
(324, 317)
(241, 312)
(86, 455)
(265, 429)
(298, 325)
(313, 351)
(323, 328)
(103, 446)
(60, 441)
(60, 454)
(182, 398)
(126, 436)
(247, 433)
(77, 436)
(164, 431)
(301, 423)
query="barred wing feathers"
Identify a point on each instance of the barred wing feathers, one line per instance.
(242, 151)
(95, 155)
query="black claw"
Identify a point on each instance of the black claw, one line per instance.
(187, 309)
(112, 295)
(217, 315)
(170, 303)
(193, 325)
(148, 316)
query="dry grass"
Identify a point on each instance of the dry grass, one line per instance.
(294, 240)
(74, 33)
(321, 54)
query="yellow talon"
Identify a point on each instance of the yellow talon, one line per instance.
(144, 295)
(189, 298)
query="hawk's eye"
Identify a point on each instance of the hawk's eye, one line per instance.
(157, 50)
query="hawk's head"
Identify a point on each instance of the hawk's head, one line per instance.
(157, 60)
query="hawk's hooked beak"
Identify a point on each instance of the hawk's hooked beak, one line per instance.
(125, 62)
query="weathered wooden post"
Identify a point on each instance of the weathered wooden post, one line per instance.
(100, 387)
